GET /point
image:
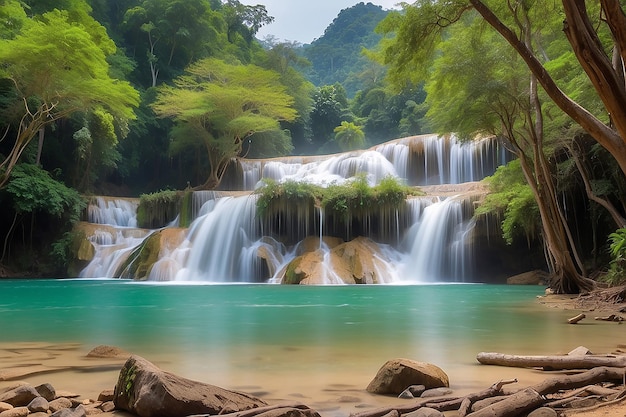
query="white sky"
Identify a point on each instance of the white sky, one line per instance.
(305, 20)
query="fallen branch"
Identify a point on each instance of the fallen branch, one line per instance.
(514, 405)
(566, 382)
(576, 319)
(551, 362)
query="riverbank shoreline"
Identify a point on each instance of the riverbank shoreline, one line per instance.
(67, 367)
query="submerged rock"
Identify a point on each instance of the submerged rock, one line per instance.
(147, 391)
(398, 374)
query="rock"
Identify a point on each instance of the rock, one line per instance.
(105, 351)
(47, 391)
(397, 374)
(359, 261)
(107, 406)
(414, 391)
(537, 277)
(312, 243)
(145, 390)
(5, 406)
(60, 404)
(15, 412)
(436, 392)
(106, 395)
(289, 412)
(19, 396)
(38, 404)
(425, 412)
(70, 412)
(543, 412)
(580, 351)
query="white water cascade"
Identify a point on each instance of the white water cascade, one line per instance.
(427, 241)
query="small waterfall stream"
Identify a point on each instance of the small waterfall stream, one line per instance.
(429, 241)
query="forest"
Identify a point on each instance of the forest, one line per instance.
(130, 98)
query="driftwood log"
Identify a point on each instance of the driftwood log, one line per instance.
(557, 362)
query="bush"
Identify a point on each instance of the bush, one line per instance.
(617, 248)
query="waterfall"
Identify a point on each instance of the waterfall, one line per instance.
(419, 160)
(114, 212)
(437, 242)
(217, 238)
(430, 240)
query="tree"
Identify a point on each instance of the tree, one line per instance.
(56, 68)
(349, 136)
(219, 105)
(473, 90)
(330, 107)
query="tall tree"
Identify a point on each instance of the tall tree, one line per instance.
(56, 68)
(476, 86)
(219, 105)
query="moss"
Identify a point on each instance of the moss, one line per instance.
(186, 209)
(291, 276)
(141, 260)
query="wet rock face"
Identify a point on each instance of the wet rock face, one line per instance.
(359, 261)
(398, 374)
(147, 391)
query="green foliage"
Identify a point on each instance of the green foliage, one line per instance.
(33, 190)
(512, 198)
(616, 274)
(336, 57)
(219, 105)
(290, 193)
(353, 198)
(158, 209)
(349, 136)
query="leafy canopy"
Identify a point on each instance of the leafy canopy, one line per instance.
(219, 105)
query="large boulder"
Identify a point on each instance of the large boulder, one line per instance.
(145, 390)
(398, 374)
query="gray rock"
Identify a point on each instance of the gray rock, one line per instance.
(414, 391)
(147, 391)
(436, 392)
(60, 404)
(70, 412)
(15, 412)
(543, 412)
(397, 374)
(38, 404)
(19, 396)
(47, 391)
(425, 412)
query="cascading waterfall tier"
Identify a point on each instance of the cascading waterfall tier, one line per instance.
(427, 240)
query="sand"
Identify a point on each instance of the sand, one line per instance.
(68, 368)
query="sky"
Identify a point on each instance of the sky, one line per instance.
(305, 20)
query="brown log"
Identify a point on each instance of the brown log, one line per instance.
(592, 376)
(576, 319)
(551, 362)
(402, 408)
(514, 405)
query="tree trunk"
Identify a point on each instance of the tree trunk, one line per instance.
(557, 362)
(514, 405)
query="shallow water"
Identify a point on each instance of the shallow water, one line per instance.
(317, 344)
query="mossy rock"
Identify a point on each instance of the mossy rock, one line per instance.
(293, 274)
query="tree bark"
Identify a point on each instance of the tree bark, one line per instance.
(514, 405)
